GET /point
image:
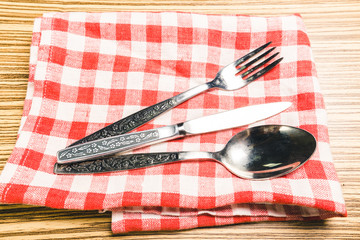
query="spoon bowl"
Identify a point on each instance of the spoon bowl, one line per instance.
(267, 151)
(261, 152)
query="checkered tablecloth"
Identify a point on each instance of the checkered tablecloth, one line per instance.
(88, 70)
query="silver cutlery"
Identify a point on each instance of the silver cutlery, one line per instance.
(261, 152)
(231, 77)
(223, 120)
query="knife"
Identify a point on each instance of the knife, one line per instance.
(220, 121)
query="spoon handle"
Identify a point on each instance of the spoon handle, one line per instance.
(127, 162)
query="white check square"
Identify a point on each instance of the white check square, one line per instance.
(71, 76)
(166, 83)
(290, 118)
(199, 53)
(35, 106)
(256, 89)
(228, 23)
(43, 179)
(23, 140)
(77, 17)
(258, 24)
(76, 42)
(199, 21)
(189, 185)
(138, 49)
(289, 23)
(98, 113)
(45, 37)
(65, 111)
(33, 54)
(81, 184)
(152, 183)
(138, 18)
(261, 186)
(223, 186)
(8, 172)
(301, 188)
(103, 79)
(54, 144)
(108, 47)
(289, 53)
(169, 51)
(227, 56)
(169, 19)
(41, 69)
(108, 17)
(135, 80)
(116, 184)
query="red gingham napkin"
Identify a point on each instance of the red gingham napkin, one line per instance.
(88, 70)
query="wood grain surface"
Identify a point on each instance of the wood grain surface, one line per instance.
(334, 31)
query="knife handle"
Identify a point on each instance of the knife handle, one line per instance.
(115, 163)
(128, 162)
(120, 143)
(143, 116)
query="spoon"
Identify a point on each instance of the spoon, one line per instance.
(261, 152)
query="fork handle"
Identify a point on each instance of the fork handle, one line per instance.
(143, 116)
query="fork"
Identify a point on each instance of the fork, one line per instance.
(228, 78)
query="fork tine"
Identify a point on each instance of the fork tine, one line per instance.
(250, 54)
(263, 71)
(255, 60)
(259, 65)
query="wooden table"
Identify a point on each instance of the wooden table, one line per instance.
(334, 31)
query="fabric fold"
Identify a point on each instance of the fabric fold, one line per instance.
(88, 70)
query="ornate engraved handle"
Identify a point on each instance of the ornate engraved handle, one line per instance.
(143, 116)
(119, 143)
(129, 162)
(116, 163)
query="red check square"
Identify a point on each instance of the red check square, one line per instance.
(90, 60)
(153, 33)
(58, 55)
(92, 30)
(123, 32)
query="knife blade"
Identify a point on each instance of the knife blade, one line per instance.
(220, 121)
